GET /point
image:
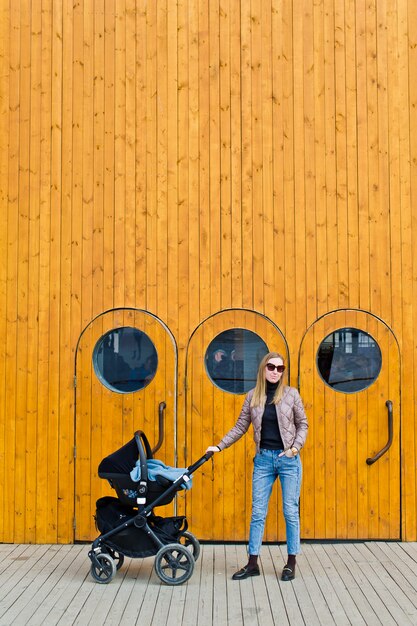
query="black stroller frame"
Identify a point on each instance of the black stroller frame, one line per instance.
(135, 531)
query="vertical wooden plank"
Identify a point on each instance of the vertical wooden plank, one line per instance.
(91, 404)
(193, 168)
(42, 503)
(4, 175)
(407, 35)
(183, 175)
(55, 271)
(278, 159)
(172, 215)
(161, 180)
(151, 157)
(352, 154)
(330, 156)
(288, 174)
(181, 232)
(270, 260)
(362, 141)
(299, 284)
(236, 155)
(98, 84)
(225, 160)
(109, 156)
(141, 157)
(375, 443)
(204, 212)
(119, 277)
(257, 154)
(96, 162)
(320, 159)
(214, 99)
(247, 164)
(172, 165)
(373, 150)
(341, 155)
(22, 272)
(83, 448)
(11, 272)
(310, 235)
(394, 202)
(307, 499)
(65, 531)
(382, 223)
(130, 156)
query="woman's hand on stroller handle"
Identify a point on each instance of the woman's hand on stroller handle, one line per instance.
(213, 449)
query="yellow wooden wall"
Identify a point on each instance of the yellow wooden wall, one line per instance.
(184, 157)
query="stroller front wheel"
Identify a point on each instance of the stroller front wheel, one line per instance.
(118, 557)
(174, 564)
(103, 568)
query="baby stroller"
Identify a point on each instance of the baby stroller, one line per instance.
(128, 525)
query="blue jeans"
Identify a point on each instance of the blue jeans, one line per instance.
(267, 467)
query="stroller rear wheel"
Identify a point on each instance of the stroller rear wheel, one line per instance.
(103, 568)
(174, 564)
(191, 542)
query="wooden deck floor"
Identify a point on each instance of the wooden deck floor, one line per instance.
(342, 583)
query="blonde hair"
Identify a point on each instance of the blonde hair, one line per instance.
(259, 394)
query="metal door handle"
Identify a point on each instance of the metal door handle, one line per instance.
(161, 409)
(377, 456)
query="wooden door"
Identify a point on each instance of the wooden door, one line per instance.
(107, 418)
(219, 504)
(343, 496)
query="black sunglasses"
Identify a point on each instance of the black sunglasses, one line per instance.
(271, 367)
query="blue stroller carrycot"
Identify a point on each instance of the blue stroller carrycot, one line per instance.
(128, 525)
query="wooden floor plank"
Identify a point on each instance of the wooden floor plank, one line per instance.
(292, 607)
(31, 578)
(353, 581)
(235, 559)
(397, 593)
(271, 574)
(137, 578)
(339, 586)
(219, 586)
(205, 605)
(317, 598)
(309, 561)
(341, 583)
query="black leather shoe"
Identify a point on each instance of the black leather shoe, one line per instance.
(245, 572)
(288, 573)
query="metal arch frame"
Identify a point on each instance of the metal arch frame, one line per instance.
(237, 310)
(229, 310)
(175, 346)
(346, 310)
(352, 310)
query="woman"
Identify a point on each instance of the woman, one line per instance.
(279, 430)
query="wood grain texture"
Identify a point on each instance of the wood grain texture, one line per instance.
(185, 159)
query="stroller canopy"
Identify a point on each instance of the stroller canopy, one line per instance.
(123, 460)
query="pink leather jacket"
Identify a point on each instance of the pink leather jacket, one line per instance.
(292, 421)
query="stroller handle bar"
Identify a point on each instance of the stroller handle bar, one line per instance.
(200, 462)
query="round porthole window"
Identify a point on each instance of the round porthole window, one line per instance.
(349, 360)
(125, 360)
(232, 359)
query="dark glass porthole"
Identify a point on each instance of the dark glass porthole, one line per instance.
(125, 360)
(232, 359)
(349, 360)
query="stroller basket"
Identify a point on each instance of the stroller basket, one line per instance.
(132, 541)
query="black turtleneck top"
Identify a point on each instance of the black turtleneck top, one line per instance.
(270, 435)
